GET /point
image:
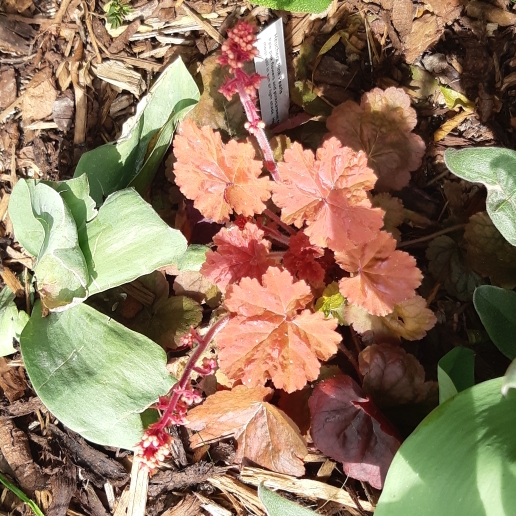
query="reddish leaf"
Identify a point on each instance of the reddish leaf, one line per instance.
(219, 178)
(381, 126)
(240, 253)
(392, 376)
(382, 276)
(271, 336)
(348, 427)
(301, 259)
(329, 194)
(264, 434)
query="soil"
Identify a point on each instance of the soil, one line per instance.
(54, 106)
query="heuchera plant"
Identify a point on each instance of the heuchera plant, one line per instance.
(317, 211)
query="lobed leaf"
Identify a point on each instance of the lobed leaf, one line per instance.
(382, 276)
(220, 179)
(447, 264)
(301, 259)
(392, 376)
(347, 427)
(264, 434)
(489, 253)
(381, 126)
(271, 336)
(328, 192)
(240, 253)
(410, 320)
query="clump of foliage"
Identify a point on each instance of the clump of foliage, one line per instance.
(117, 11)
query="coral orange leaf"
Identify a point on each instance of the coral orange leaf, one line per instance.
(271, 336)
(239, 254)
(220, 179)
(329, 194)
(381, 276)
(264, 434)
(301, 259)
(381, 126)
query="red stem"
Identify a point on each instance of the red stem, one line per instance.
(255, 129)
(278, 221)
(185, 377)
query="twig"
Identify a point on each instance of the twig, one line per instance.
(432, 236)
(278, 221)
(87, 19)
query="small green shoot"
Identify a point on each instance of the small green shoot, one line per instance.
(21, 495)
(117, 11)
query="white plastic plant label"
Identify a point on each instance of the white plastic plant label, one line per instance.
(272, 64)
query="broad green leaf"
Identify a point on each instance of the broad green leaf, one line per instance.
(12, 322)
(509, 379)
(296, 6)
(93, 374)
(60, 270)
(460, 461)
(139, 149)
(455, 372)
(495, 168)
(76, 195)
(276, 505)
(496, 308)
(193, 258)
(454, 99)
(127, 240)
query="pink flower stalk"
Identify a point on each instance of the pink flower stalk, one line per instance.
(235, 52)
(155, 444)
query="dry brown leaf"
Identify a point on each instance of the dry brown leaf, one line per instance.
(264, 434)
(402, 16)
(38, 100)
(449, 10)
(426, 31)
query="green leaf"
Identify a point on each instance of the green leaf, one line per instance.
(276, 505)
(459, 461)
(127, 240)
(447, 264)
(134, 158)
(60, 270)
(332, 303)
(193, 258)
(12, 322)
(93, 374)
(495, 168)
(509, 379)
(496, 308)
(76, 195)
(296, 6)
(455, 372)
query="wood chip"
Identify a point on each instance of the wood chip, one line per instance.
(402, 16)
(301, 487)
(8, 89)
(12, 282)
(205, 24)
(244, 494)
(188, 506)
(138, 490)
(490, 13)
(121, 76)
(211, 507)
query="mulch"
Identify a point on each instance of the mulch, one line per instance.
(67, 85)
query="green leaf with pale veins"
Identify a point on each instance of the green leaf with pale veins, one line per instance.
(134, 158)
(96, 376)
(495, 168)
(61, 271)
(447, 264)
(127, 240)
(276, 505)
